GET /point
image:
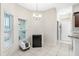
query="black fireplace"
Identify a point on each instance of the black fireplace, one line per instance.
(36, 40)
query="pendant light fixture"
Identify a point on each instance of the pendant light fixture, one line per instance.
(36, 14)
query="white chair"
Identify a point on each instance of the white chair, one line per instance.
(24, 45)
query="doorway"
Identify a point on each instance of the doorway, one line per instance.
(63, 30)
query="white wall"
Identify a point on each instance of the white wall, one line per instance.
(46, 25)
(17, 12)
(75, 8)
(50, 26)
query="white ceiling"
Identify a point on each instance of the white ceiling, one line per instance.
(44, 6)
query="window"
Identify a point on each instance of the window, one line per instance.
(22, 29)
(8, 29)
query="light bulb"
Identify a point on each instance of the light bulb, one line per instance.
(40, 15)
(34, 14)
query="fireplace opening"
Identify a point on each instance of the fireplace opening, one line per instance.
(36, 40)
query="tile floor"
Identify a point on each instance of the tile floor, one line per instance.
(61, 49)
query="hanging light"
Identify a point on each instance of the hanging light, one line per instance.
(36, 14)
(40, 15)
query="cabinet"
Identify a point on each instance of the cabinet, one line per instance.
(76, 46)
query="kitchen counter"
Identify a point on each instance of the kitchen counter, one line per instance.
(74, 36)
(75, 43)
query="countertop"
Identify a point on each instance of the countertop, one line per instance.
(74, 36)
